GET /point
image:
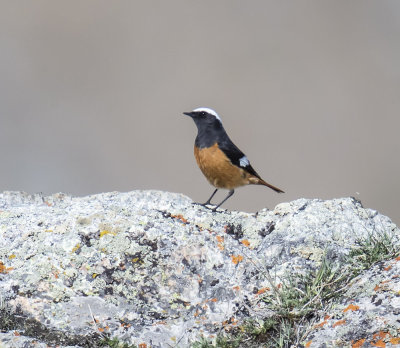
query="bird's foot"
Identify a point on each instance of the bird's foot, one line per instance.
(202, 204)
(217, 210)
(207, 205)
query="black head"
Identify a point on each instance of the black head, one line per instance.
(204, 118)
(209, 126)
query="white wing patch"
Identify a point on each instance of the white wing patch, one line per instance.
(209, 111)
(244, 162)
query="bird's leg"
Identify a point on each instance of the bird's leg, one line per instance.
(209, 200)
(231, 192)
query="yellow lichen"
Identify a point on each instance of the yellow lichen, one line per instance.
(104, 232)
(75, 248)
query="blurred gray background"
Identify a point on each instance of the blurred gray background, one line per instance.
(92, 95)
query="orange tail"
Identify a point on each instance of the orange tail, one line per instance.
(262, 182)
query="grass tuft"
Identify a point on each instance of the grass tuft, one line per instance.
(114, 343)
(373, 249)
(219, 342)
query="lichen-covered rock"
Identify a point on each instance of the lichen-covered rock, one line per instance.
(368, 314)
(151, 268)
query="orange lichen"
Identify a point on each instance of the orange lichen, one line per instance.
(220, 243)
(388, 268)
(321, 324)
(245, 242)
(262, 290)
(380, 336)
(236, 288)
(236, 259)
(339, 322)
(180, 217)
(227, 324)
(214, 300)
(142, 345)
(351, 307)
(308, 344)
(358, 343)
(161, 322)
(4, 269)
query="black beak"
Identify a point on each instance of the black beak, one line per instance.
(188, 114)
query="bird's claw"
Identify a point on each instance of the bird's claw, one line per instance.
(202, 204)
(206, 205)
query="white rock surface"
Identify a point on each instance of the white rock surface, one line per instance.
(155, 269)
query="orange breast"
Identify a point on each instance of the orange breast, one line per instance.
(219, 170)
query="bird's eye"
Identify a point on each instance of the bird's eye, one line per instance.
(202, 113)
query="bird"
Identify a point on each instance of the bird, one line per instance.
(223, 164)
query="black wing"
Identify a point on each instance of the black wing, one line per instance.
(237, 157)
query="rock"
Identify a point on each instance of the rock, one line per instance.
(150, 268)
(368, 313)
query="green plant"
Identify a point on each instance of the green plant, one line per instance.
(114, 343)
(7, 319)
(298, 299)
(372, 249)
(219, 342)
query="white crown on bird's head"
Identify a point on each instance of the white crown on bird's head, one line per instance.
(208, 111)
